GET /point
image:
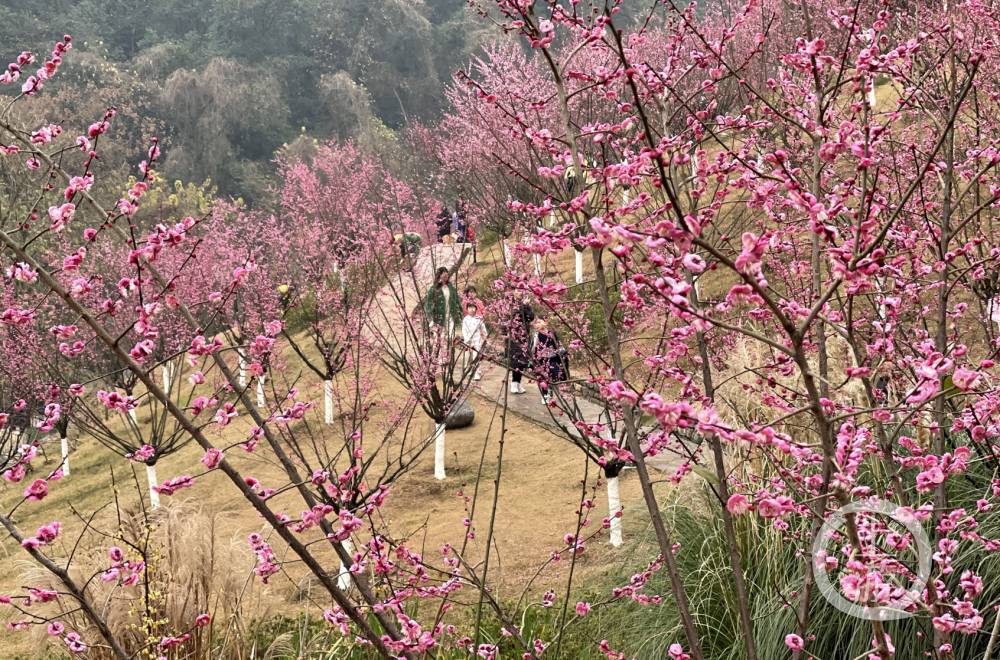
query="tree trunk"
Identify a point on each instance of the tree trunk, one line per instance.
(439, 471)
(631, 433)
(579, 266)
(261, 402)
(154, 497)
(328, 400)
(344, 579)
(614, 506)
(735, 560)
(64, 441)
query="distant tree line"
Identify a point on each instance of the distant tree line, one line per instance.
(226, 83)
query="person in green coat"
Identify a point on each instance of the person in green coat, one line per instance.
(442, 304)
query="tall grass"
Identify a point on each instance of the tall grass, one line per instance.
(195, 565)
(773, 571)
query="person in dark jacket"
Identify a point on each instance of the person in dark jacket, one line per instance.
(517, 337)
(460, 221)
(547, 358)
(443, 224)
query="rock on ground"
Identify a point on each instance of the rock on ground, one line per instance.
(460, 416)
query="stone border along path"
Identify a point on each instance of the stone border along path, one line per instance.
(493, 384)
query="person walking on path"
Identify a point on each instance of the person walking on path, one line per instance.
(547, 359)
(517, 332)
(459, 221)
(443, 306)
(471, 295)
(465, 234)
(474, 331)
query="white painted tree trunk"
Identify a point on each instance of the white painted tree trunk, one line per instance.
(552, 219)
(439, 472)
(131, 413)
(154, 497)
(879, 283)
(167, 377)
(614, 505)
(344, 580)
(872, 100)
(506, 252)
(328, 400)
(992, 311)
(64, 441)
(538, 266)
(261, 402)
(579, 266)
(242, 368)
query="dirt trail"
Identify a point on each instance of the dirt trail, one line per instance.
(404, 293)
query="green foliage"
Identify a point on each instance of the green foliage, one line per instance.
(299, 317)
(487, 238)
(310, 637)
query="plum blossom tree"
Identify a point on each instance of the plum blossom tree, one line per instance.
(326, 201)
(861, 204)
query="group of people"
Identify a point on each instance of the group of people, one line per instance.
(454, 224)
(452, 227)
(530, 345)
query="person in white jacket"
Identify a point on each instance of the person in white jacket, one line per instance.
(474, 332)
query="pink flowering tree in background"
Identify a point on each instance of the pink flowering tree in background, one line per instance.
(110, 402)
(84, 300)
(332, 277)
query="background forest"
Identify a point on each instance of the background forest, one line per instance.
(225, 83)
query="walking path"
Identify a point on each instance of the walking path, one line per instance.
(403, 293)
(530, 406)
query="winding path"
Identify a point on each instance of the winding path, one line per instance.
(404, 293)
